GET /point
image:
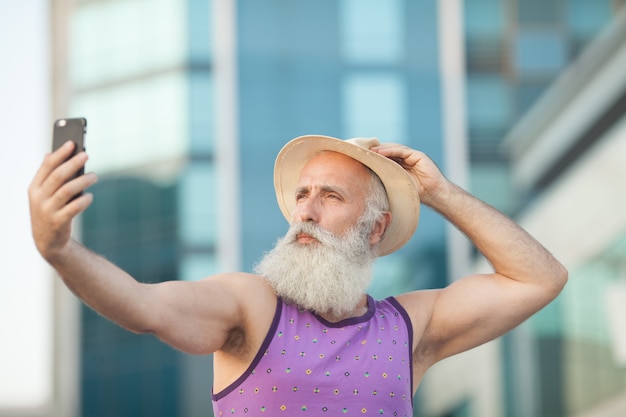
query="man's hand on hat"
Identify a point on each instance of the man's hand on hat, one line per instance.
(428, 178)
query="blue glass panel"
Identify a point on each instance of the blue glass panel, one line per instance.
(489, 103)
(490, 182)
(194, 267)
(118, 39)
(372, 30)
(540, 51)
(375, 105)
(586, 18)
(484, 18)
(539, 11)
(130, 124)
(200, 35)
(198, 213)
(201, 113)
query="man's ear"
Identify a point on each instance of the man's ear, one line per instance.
(380, 227)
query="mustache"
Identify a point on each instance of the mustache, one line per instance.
(354, 242)
(315, 231)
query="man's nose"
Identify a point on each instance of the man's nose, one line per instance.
(307, 210)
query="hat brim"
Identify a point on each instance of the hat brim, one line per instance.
(404, 203)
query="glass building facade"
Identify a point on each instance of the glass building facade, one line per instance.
(146, 76)
(579, 344)
(141, 72)
(514, 50)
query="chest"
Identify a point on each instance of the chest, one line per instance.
(308, 365)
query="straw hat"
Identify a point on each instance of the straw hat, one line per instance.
(403, 198)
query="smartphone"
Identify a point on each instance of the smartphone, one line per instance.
(70, 129)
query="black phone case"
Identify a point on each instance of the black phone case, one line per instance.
(70, 129)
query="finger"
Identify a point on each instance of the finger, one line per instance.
(61, 219)
(387, 145)
(402, 154)
(67, 192)
(392, 149)
(75, 207)
(64, 172)
(51, 161)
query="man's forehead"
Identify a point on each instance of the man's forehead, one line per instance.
(349, 161)
(335, 156)
(327, 171)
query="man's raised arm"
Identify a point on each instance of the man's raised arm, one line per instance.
(192, 316)
(478, 308)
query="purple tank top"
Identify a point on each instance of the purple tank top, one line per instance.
(309, 366)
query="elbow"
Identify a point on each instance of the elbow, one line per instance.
(563, 275)
(141, 330)
(139, 327)
(560, 277)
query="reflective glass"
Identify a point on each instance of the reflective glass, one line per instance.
(195, 267)
(530, 91)
(586, 18)
(375, 105)
(373, 31)
(200, 32)
(540, 51)
(489, 103)
(592, 370)
(201, 113)
(133, 223)
(539, 11)
(490, 182)
(120, 39)
(197, 206)
(132, 124)
(484, 18)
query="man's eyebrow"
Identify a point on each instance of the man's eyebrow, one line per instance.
(332, 189)
(305, 189)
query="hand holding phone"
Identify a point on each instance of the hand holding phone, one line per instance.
(74, 130)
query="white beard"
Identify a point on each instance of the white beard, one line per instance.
(328, 277)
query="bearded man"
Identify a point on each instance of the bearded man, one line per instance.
(302, 334)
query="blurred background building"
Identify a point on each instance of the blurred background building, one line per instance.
(188, 103)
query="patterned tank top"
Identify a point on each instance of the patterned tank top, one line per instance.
(309, 366)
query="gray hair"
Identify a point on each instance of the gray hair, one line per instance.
(377, 197)
(376, 204)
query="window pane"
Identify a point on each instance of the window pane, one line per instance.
(132, 124)
(539, 11)
(484, 18)
(108, 42)
(489, 103)
(540, 52)
(586, 18)
(197, 209)
(372, 30)
(374, 105)
(195, 267)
